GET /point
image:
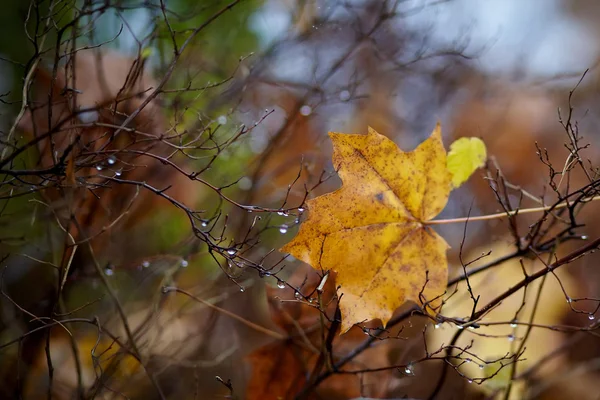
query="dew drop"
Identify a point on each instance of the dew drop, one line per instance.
(300, 209)
(591, 317)
(468, 360)
(184, 263)
(118, 173)
(513, 324)
(366, 331)
(437, 326)
(470, 381)
(280, 212)
(408, 370)
(145, 264)
(88, 117)
(283, 229)
(204, 224)
(222, 120)
(231, 251)
(242, 289)
(109, 271)
(344, 95)
(281, 285)
(305, 110)
(459, 327)
(569, 300)
(297, 295)
(511, 338)
(245, 183)
(481, 366)
(99, 167)
(112, 160)
(584, 237)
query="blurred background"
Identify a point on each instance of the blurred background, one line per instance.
(237, 98)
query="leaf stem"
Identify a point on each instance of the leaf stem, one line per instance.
(503, 214)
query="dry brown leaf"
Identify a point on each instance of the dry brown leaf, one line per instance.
(280, 369)
(108, 88)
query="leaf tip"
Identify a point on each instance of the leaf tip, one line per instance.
(371, 131)
(437, 131)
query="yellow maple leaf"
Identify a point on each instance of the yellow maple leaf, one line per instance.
(466, 155)
(373, 232)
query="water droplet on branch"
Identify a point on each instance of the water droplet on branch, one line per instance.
(245, 183)
(305, 110)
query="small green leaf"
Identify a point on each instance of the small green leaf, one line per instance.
(147, 52)
(465, 156)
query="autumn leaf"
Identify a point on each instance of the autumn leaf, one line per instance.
(278, 372)
(280, 369)
(466, 155)
(373, 230)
